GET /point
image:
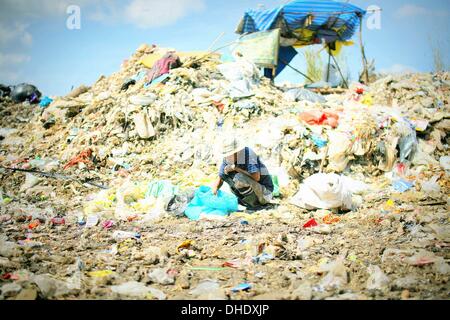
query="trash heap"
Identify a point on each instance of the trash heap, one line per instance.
(106, 177)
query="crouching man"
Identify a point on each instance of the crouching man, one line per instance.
(246, 175)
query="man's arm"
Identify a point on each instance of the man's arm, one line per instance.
(255, 176)
(217, 186)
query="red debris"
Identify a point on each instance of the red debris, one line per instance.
(6, 276)
(84, 157)
(359, 90)
(220, 106)
(34, 224)
(58, 221)
(311, 223)
(108, 224)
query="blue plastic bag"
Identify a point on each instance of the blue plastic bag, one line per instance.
(45, 102)
(402, 185)
(318, 141)
(205, 202)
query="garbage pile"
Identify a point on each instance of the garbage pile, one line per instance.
(105, 191)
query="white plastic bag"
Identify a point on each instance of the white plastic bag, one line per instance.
(143, 125)
(30, 181)
(445, 163)
(327, 191)
(377, 279)
(336, 276)
(431, 186)
(143, 100)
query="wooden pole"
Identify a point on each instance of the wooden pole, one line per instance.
(365, 74)
(329, 61)
(287, 64)
(339, 69)
(215, 41)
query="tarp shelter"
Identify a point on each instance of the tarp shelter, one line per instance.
(303, 22)
(260, 47)
(263, 49)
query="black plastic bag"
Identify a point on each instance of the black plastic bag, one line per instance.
(25, 92)
(5, 91)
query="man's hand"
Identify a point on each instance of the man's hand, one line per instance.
(215, 188)
(229, 168)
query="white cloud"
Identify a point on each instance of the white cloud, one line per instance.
(27, 39)
(398, 69)
(12, 59)
(108, 11)
(157, 13)
(412, 10)
(142, 13)
(15, 32)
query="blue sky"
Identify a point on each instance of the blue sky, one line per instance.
(37, 47)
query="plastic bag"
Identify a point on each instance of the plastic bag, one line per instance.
(45, 102)
(143, 100)
(161, 276)
(331, 75)
(408, 139)
(408, 146)
(317, 117)
(327, 191)
(205, 202)
(5, 91)
(445, 163)
(402, 185)
(242, 75)
(30, 181)
(276, 186)
(239, 70)
(377, 279)
(431, 185)
(143, 125)
(339, 147)
(208, 290)
(299, 94)
(319, 141)
(336, 276)
(178, 204)
(24, 91)
(163, 188)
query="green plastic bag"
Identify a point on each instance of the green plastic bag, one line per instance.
(161, 188)
(276, 186)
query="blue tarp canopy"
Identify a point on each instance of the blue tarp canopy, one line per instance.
(303, 22)
(309, 22)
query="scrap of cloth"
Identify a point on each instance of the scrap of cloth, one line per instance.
(164, 65)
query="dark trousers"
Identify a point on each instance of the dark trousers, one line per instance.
(249, 192)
